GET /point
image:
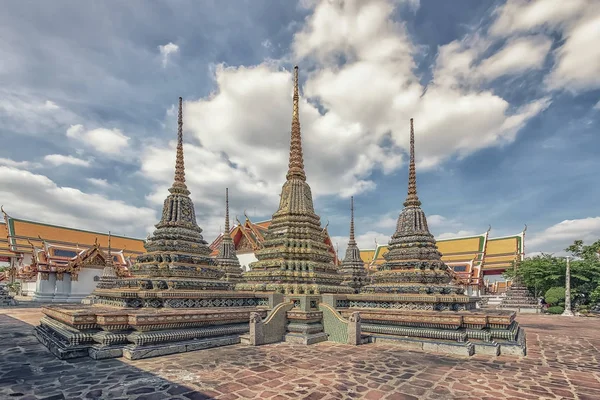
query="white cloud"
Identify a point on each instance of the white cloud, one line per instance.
(367, 103)
(101, 183)
(577, 60)
(35, 196)
(559, 236)
(518, 55)
(59, 159)
(518, 16)
(18, 164)
(450, 235)
(109, 141)
(50, 105)
(166, 50)
(597, 106)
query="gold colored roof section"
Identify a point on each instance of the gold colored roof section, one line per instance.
(17, 233)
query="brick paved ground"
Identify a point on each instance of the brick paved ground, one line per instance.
(563, 362)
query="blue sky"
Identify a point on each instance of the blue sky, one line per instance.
(505, 96)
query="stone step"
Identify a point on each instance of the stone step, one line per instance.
(245, 339)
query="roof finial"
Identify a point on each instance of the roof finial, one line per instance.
(296, 165)
(179, 181)
(226, 211)
(351, 241)
(411, 198)
(489, 228)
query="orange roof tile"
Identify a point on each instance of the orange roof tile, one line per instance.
(20, 231)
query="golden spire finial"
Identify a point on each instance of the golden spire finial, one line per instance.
(179, 181)
(351, 241)
(411, 198)
(296, 164)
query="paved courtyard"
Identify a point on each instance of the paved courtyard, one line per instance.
(563, 362)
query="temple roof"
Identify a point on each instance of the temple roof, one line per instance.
(17, 233)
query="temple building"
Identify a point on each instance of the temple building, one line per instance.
(56, 263)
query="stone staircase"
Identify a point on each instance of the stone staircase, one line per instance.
(519, 299)
(490, 302)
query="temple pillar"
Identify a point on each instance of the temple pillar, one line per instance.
(45, 286)
(63, 287)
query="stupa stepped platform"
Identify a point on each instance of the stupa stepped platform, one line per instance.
(102, 331)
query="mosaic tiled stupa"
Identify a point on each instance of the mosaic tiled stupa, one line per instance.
(415, 301)
(178, 299)
(353, 267)
(108, 280)
(227, 260)
(295, 259)
(413, 265)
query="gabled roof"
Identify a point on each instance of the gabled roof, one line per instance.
(20, 232)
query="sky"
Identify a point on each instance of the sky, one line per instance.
(505, 96)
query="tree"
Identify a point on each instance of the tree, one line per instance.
(543, 272)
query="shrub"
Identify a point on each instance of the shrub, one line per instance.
(555, 296)
(555, 310)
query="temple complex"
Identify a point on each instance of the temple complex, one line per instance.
(294, 258)
(179, 298)
(353, 267)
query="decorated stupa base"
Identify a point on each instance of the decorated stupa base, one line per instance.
(107, 332)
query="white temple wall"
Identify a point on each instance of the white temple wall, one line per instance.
(84, 285)
(246, 259)
(27, 288)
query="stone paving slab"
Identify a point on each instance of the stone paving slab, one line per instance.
(563, 362)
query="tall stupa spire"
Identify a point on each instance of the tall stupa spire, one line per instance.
(353, 267)
(413, 264)
(109, 274)
(226, 232)
(411, 198)
(226, 258)
(295, 257)
(352, 241)
(296, 164)
(179, 181)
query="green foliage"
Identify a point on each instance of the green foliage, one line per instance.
(555, 296)
(2, 269)
(543, 272)
(555, 310)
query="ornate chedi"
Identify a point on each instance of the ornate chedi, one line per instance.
(226, 258)
(294, 258)
(353, 267)
(176, 301)
(177, 255)
(109, 277)
(413, 265)
(415, 301)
